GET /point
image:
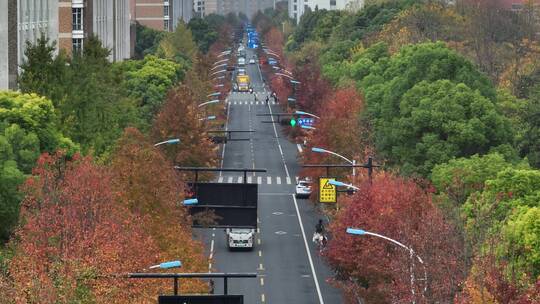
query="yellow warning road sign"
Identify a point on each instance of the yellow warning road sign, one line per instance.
(327, 191)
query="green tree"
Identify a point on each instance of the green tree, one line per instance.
(485, 212)
(95, 109)
(461, 177)
(149, 80)
(204, 33)
(27, 128)
(42, 72)
(428, 105)
(179, 45)
(521, 244)
(147, 40)
(437, 122)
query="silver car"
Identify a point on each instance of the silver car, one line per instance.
(303, 188)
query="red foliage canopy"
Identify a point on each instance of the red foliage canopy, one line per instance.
(379, 270)
(74, 233)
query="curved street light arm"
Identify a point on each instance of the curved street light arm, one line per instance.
(412, 253)
(321, 150)
(308, 114)
(209, 102)
(284, 75)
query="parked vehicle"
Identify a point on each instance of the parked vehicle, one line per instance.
(241, 61)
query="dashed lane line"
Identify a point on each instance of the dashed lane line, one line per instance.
(321, 301)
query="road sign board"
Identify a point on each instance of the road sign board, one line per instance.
(327, 191)
(233, 205)
(304, 121)
(202, 299)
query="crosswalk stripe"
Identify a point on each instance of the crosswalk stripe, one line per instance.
(296, 177)
(259, 180)
(278, 180)
(249, 179)
(240, 179)
(269, 180)
(288, 180)
(220, 180)
(229, 180)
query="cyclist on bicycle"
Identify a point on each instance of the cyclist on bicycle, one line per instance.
(318, 236)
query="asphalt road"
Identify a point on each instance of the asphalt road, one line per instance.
(289, 268)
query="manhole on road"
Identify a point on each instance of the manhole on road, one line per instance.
(280, 232)
(277, 213)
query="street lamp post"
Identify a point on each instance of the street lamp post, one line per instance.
(321, 150)
(357, 231)
(168, 142)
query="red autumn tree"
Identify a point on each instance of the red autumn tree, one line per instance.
(313, 88)
(274, 41)
(340, 130)
(76, 236)
(179, 118)
(153, 191)
(379, 271)
(282, 88)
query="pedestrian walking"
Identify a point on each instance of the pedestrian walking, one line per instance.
(255, 95)
(267, 98)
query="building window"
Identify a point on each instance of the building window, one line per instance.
(166, 25)
(77, 19)
(77, 45)
(332, 2)
(166, 11)
(294, 9)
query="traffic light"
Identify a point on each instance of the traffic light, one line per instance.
(293, 122)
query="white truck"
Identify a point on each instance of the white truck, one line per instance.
(240, 238)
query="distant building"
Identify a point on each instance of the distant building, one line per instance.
(199, 6)
(109, 20)
(181, 10)
(153, 14)
(517, 5)
(22, 21)
(298, 7)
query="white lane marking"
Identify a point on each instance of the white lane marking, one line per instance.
(240, 179)
(269, 180)
(262, 281)
(299, 148)
(321, 301)
(277, 139)
(260, 253)
(259, 180)
(288, 180)
(211, 249)
(220, 179)
(249, 179)
(262, 298)
(229, 180)
(278, 180)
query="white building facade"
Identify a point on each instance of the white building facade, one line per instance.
(23, 21)
(181, 10)
(111, 24)
(298, 7)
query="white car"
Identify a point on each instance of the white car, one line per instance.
(241, 71)
(303, 188)
(252, 61)
(240, 238)
(241, 61)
